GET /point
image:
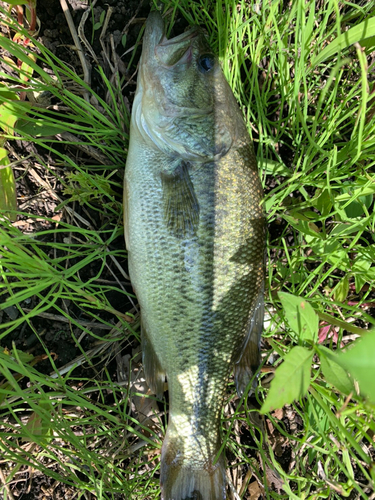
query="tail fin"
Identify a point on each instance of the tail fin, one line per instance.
(186, 475)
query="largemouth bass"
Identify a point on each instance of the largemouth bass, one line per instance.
(194, 231)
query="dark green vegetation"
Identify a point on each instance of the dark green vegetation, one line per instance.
(303, 73)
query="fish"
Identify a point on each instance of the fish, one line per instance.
(195, 236)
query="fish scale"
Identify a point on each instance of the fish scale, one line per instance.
(194, 231)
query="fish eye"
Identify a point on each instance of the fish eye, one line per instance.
(206, 62)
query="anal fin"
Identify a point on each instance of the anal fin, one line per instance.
(249, 358)
(154, 374)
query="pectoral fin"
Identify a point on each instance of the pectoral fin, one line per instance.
(249, 359)
(154, 374)
(181, 208)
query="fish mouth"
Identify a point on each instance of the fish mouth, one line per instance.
(177, 50)
(167, 52)
(184, 37)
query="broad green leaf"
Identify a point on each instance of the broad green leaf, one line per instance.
(334, 373)
(99, 24)
(40, 128)
(304, 226)
(26, 72)
(356, 207)
(341, 290)
(38, 424)
(317, 415)
(6, 93)
(362, 31)
(355, 193)
(292, 379)
(323, 202)
(8, 195)
(273, 167)
(21, 356)
(9, 114)
(301, 316)
(17, 2)
(367, 253)
(368, 43)
(330, 250)
(359, 360)
(360, 281)
(361, 267)
(309, 214)
(337, 255)
(347, 228)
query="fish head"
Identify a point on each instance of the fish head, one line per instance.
(181, 69)
(186, 106)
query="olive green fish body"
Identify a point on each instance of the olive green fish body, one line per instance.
(195, 237)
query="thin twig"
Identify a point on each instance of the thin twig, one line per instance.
(91, 353)
(85, 65)
(85, 148)
(63, 319)
(102, 35)
(6, 485)
(233, 489)
(81, 31)
(126, 28)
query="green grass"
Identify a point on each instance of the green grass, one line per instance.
(303, 75)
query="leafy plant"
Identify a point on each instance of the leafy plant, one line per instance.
(293, 377)
(31, 15)
(9, 113)
(8, 118)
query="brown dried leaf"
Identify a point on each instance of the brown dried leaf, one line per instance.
(274, 479)
(255, 491)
